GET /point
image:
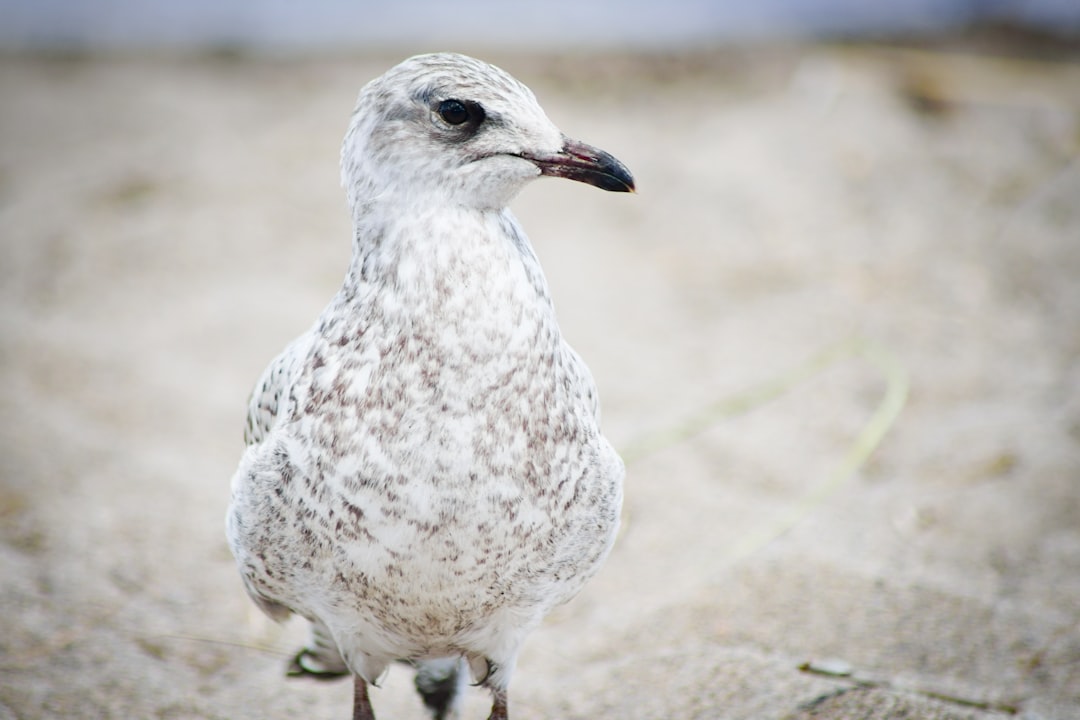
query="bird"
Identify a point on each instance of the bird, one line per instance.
(425, 477)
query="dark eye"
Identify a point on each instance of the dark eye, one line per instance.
(456, 112)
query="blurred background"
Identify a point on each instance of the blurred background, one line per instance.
(346, 24)
(836, 334)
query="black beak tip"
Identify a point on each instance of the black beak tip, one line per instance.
(589, 165)
(607, 172)
(622, 182)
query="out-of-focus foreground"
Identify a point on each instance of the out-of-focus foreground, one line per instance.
(168, 225)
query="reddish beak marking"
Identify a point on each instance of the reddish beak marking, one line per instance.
(587, 164)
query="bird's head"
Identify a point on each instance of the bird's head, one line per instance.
(452, 128)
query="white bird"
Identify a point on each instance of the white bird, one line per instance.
(425, 477)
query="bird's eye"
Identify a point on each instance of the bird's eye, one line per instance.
(455, 112)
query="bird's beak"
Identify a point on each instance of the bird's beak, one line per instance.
(587, 164)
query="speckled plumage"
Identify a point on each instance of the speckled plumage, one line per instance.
(425, 475)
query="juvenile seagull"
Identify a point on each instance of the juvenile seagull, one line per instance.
(425, 476)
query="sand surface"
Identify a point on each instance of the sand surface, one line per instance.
(169, 224)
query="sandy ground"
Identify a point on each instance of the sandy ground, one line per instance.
(167, 225)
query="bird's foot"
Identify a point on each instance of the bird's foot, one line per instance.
(306, 664)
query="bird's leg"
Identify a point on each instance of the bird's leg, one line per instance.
(361, 709)
(498, 705)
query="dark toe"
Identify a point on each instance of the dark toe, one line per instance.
(297, 668)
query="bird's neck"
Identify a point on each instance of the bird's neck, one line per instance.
(428, 258)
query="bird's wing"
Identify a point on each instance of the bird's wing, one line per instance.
(271, 393)
(582, 378)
